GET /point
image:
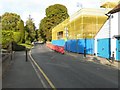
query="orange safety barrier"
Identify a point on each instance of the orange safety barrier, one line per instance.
(56, 48)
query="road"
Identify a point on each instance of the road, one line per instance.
(66, 71)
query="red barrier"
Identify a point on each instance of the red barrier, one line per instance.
(59, 49)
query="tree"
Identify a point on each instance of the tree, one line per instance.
(30, 29)
(20, 26)
(9, 21)
(55, 14)
(0, 19)
(36, 35)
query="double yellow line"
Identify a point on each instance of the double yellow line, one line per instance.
(45, 76)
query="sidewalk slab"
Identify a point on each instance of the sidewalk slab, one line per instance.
(96, 59)
(21, 74)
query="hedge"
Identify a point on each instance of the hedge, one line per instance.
(9, 36)
(6, 38)
(17, 37)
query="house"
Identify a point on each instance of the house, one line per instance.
(78, 31)
(107, 43)
(91, 31)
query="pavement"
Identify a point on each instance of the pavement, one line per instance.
(98, 60)
(74, 71)
(21, 74)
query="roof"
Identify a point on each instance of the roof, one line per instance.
(109, 5)
(114, 10)
(117, 36)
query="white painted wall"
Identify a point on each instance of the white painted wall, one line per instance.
(109, 29)
(114, 31)
(119, 23)
(103, 33)
(113, 47)
(114, 25)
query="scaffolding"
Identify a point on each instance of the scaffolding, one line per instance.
(85, 23)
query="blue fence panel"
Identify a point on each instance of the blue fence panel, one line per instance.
(118, 50)
(73, 45)
(58, 42)
(90, 46)
(80, 45)
(103, 48)
(70, 45)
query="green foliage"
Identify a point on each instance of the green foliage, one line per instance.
(28, 42)
(17, 37)
(9, 36)
(10, 21)
(6, 38)
(20, 26)
(55, 9)
(55, 14)
(12, 29)
(29, 46)
(36, 35)
(0, 19)
(30, 29)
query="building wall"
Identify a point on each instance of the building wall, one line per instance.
(114, 25)
(114, 31)
(103, 33)
(109, 29)
(119, 23)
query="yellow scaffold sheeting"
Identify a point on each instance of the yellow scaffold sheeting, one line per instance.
(84, 24)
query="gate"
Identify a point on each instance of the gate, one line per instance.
(118, 49)
(103, 48)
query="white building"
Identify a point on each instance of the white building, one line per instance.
(107, 40)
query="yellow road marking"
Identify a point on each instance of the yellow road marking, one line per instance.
(45, 76)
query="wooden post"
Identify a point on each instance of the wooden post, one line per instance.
(26, 55)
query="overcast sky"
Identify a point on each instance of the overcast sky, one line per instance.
(36, 8)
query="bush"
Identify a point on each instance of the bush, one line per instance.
(9, 36)
(28, 42)
(6, 38)
(17, 37)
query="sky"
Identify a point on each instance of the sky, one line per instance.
(36, 8)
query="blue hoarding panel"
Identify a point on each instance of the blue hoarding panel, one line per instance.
(58, 42)
(80, 45)
(77, 46)
(118, 50)
(90, 46)
(73, 46)
(103, 48)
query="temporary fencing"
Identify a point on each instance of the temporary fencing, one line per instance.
(59, 49)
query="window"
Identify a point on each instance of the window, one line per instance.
(60, 35)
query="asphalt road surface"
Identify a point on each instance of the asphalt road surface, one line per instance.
(65, 71)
